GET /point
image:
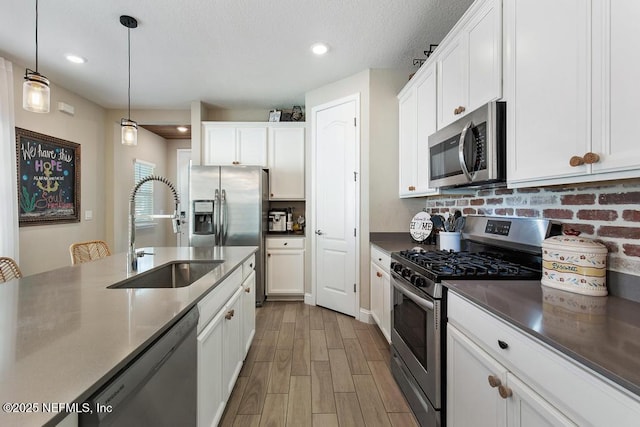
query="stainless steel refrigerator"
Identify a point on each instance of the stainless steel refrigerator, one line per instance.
(229, 206)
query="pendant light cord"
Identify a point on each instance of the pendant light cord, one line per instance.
(129, 86)
(36, 36)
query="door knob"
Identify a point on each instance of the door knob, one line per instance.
(319, 232)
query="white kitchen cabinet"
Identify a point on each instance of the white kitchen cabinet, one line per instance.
(475, 382)
(222, 337)
(284, 266)
(417, 120)
(470, 62)
(248, 311)
(234, 144)
(537, 384)
(380, 290)
(286, 162)
(584, 104)
(233, 345)
(211, 396)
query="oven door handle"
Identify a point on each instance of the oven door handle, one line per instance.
(406, 291)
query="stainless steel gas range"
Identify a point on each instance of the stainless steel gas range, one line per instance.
(496, 249)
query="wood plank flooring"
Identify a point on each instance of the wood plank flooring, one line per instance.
(309, 366)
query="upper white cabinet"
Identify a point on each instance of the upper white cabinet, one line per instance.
(570, 90)
(417, 120)
(234, 144)
(470, 62)
(286, 162)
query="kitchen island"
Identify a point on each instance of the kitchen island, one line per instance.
(64, 333)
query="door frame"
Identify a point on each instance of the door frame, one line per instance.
(311, 298)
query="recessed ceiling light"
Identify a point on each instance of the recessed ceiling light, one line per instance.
(75, 58)
(319, 48)
(182, 129)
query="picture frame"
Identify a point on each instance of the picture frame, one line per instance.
(48, 179)
(274, 115)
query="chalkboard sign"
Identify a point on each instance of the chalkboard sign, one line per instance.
(48, 179)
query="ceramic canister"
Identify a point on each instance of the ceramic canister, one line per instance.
(575, 264)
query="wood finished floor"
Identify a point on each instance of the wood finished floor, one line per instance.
(309, 366)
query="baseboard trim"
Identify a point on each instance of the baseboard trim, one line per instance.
(309, 299)
(365, 316)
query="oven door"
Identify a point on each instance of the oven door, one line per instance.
(415, 336)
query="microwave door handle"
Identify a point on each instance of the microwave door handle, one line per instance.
(463, 165)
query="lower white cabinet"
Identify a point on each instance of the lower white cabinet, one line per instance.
(225, 331)
(499, 376)
(380, 291)
(285, 266)
(248, 311)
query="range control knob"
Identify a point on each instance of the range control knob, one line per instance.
(396, 266)
(406, 273)
(421, 282)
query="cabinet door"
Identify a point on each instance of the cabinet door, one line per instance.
(616, 91)
(376, 293)
(248, 312)
(252, 146)
(471, 400)
(426, 125)
(219, 146)
(485, 55)
(526, 408)
(452, 75)
(233, 346)
(547, 87)
(211, 394)
(408, 134)
(285, 271)
(286, 163)
(386, 306)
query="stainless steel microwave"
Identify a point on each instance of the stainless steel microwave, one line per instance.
(470, 151)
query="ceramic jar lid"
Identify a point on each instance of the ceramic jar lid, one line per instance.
(575, 244)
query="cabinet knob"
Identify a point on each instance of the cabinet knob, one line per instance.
(494, 381)
(229, 314)
(268, 255)
(503, 345)
(247, 290)
(412, 188)
(271, 194)
(590, 158)
(459, 110)
(285, 243)
(504, 391)
(378, 274)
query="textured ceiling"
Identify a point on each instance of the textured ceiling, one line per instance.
(225, 53)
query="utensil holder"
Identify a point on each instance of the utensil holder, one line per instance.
(449, 241)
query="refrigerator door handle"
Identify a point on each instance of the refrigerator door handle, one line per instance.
(216, 217)
(223, 218)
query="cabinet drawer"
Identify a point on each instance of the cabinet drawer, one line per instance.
(380, 257)
(285, 243)
(248, 266)
(574, 389)
(218, 297)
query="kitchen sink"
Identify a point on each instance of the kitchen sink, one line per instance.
(176, 274)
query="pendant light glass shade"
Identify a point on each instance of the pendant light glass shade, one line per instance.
(35, 89)
(128, 126)
(35, 92)
(129, 132)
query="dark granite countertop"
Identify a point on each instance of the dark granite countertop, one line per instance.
(602, 333)
(394, 242)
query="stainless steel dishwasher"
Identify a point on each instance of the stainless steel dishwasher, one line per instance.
(158, 388)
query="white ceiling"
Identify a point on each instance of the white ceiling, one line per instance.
(225, 53)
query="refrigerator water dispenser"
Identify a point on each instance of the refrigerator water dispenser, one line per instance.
(203, 217)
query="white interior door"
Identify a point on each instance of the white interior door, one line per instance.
(183, 160)
(336, 167)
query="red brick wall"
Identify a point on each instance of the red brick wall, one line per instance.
(609, 213)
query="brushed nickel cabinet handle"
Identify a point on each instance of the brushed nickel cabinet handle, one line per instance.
(229, 315)
(247, 290)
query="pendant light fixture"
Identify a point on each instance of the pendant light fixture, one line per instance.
(35, 89)
(129, 127)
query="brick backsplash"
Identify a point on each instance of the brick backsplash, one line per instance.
(606, 212)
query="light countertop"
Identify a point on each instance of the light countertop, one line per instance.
(63, 333)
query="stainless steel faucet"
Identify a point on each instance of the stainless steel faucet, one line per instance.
(175, 218)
